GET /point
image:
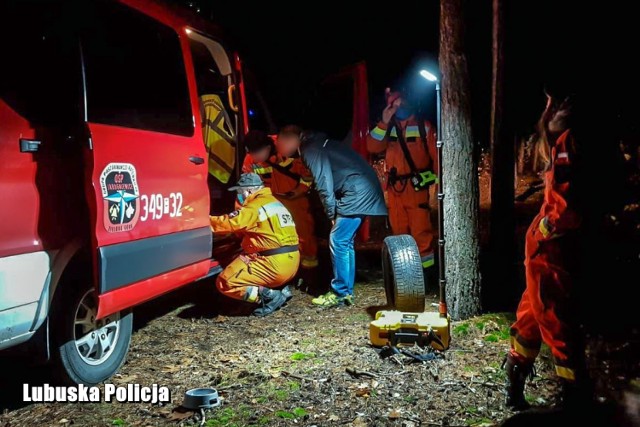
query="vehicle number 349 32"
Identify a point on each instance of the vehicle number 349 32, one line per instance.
(156, 206)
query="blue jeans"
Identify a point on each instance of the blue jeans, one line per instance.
(343, 255)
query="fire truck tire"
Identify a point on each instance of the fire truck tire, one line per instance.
(85, 350)
(403, 275)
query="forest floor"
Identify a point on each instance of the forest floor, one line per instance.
(291, 369)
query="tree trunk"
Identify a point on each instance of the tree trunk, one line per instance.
(502, 224)
(497, 72)
(460, 169)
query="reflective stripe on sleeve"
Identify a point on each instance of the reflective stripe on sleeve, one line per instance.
(378, 133)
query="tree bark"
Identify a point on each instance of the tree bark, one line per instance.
(460, 169)
(502, 245)
(497, 71)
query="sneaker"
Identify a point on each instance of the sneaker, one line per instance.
(349, 300)
(270, 301)
(328, 300)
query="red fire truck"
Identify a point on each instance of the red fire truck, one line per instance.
(104, 171)
(104, 176)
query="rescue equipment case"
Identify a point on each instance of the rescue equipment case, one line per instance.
(401, 329)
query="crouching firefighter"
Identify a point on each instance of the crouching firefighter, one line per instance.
(270, 245)
(410, 146)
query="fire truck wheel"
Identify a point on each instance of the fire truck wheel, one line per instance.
(88, 351)
(403, 275)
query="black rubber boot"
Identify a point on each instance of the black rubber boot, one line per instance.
(270, 301)
(577, 394)
(307, 280)
(517, 374)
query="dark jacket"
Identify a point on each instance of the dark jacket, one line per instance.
(347, 184)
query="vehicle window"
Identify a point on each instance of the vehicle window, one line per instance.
(256, 112)
(257, 107)
(40, 72)
(210, 80)
(219, 121)
(135, 72)
(331, 110)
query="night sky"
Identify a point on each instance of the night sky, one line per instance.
(290, 50)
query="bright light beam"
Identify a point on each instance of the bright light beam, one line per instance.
(427, 75)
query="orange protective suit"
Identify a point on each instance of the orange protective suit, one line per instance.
(263, 169)
(544, 313)
(408, 209)
(266, 226)
(290, 180)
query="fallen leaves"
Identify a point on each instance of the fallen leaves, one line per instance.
(394, 415)
(363, 392)
(125, 379)
(231, 359)
(359, 422)
(179, 414)
(275, 372)
(310, 362)
(469, 374)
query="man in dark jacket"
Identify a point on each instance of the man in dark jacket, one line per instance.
(349, 190)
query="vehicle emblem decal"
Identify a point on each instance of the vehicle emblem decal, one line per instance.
(120, 194)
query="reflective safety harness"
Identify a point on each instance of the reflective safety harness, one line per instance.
(420, 179)
(285, 169)
(264, 172)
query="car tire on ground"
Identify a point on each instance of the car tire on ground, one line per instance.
(85, 350)
(403, 274)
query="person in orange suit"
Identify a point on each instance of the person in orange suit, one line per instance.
(547, 310)
(270, 256)
(408, 204)
(260, 149)
(291, 182)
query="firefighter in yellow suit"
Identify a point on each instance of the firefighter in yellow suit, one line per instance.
(270, 245)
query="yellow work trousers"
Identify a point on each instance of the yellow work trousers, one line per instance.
(245, 275)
